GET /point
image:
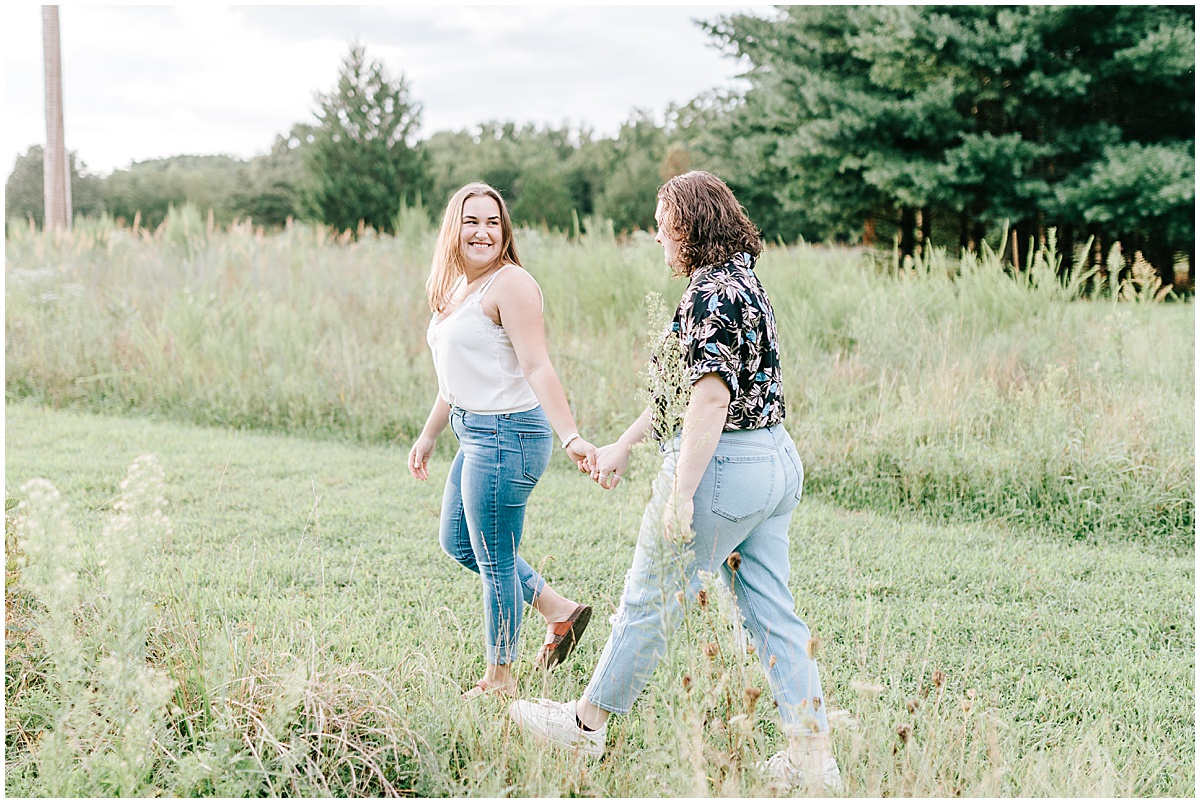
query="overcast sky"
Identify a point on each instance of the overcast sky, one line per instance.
(149, 81)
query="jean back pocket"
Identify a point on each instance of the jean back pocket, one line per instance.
(744, 485)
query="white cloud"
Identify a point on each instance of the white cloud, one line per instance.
(151, 81)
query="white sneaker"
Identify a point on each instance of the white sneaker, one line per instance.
(555, 723)
(787, 774)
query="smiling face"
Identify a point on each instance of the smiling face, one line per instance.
(482, 237)
(663, 237)
(476, 235)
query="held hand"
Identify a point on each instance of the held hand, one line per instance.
(677, 520)
(418, 458)
(610, 465)
(582, 454)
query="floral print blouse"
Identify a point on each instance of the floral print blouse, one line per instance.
(726, 326)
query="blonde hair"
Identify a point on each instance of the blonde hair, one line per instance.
(447, 265)
(711, 226)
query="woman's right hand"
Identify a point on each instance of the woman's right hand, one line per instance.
(610, 464)
(418, 457)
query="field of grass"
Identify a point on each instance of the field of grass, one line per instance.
(996, 547)
(308, 637)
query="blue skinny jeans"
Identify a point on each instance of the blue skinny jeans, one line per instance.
(499, 461)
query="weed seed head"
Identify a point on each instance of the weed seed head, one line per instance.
(866, 688)
(712, 650)
(771, 663)
(679, 597)
(904, 731)
(750, 698)
(938, 678)
(913, 705)
(687, 682)
(702, 598)
(814, 646)
(734, 561)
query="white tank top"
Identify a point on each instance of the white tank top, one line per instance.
(476, 364)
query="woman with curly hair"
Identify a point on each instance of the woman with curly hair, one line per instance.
(723, 500)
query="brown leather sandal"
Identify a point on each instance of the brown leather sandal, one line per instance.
(561, 638)
(482, 687)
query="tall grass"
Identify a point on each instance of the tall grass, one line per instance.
(129, 699)
(950, 388)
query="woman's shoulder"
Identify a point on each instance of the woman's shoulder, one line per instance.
(513, 269)
(514, 276)
(515, 283)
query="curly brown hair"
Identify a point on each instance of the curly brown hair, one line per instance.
(701, 212)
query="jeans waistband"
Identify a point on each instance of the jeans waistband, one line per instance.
(513, 414)
(771, 437)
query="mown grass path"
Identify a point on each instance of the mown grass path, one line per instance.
(967, 659)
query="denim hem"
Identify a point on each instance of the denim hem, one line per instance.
(498, 466)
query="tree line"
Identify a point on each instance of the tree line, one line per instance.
(912, 126)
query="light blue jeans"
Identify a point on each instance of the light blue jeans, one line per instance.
(744, 504)
(500, 459)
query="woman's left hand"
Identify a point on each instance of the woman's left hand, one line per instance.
(582, 454)
(677, 519)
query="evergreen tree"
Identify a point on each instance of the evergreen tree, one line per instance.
(979, 117)
(790, 146)
(362, 163)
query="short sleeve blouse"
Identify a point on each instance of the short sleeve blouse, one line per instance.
(726, 326)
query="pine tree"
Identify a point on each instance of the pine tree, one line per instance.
(362, 163)
(977, 118)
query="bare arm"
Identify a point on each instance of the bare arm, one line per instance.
(638, 430)
(612, 460)
(702, 426)
(519, 304)
(418, 455)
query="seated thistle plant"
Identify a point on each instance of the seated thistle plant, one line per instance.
(109, 699)
(667, 391)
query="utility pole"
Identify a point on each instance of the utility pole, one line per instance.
(56, 170)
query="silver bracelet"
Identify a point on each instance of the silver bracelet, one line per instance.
(567, 441)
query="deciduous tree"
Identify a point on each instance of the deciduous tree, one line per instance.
(24, 189)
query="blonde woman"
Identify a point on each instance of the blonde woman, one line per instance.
(502, 397)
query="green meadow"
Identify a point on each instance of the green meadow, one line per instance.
(222, 581)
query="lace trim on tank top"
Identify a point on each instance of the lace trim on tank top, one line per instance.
(474, 300)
